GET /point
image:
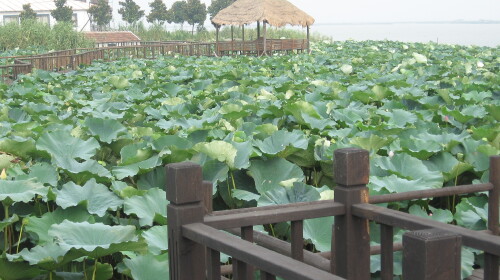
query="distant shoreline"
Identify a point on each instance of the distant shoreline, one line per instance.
(413, 22)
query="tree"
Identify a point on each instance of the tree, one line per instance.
(159, 13)
(101, 14)
(62, 12)
(178, 12)
(27, 13)
(196, 13)
(217, 6)
(130, 11)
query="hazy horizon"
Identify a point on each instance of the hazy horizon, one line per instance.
(382, 11)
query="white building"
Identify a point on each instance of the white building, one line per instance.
(10, 10)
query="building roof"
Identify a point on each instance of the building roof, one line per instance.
(39, 5)
(112, 36)
(275, 12)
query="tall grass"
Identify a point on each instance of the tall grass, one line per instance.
(32, 34)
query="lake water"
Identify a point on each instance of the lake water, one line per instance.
(463, 34)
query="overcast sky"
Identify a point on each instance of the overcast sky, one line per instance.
(359, 11)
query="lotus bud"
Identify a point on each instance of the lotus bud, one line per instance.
(391, 154)
(3, 175)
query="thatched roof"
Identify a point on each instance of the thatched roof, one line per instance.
(275, 12)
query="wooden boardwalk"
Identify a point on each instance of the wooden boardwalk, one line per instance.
(72, 59)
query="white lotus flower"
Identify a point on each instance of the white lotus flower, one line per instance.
(420, 58)
(346, 68)
(480, 64)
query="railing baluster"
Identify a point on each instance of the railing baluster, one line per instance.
(241, 270)
(297, 228)
(266, 276)
(387, 252)
(213, 264)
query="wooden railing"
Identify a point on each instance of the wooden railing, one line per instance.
(74, 58)
(431, 250)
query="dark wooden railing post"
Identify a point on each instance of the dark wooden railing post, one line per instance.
(431, 254)
(184, 191)
(351, 238)
(491, 262)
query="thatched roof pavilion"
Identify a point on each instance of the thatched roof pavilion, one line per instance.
(274, 12)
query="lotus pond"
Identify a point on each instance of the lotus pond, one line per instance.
(82, 153)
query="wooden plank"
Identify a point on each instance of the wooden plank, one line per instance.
(475, 239)
(297, 250)
(262, 258)
(263, 215)
(448, 191)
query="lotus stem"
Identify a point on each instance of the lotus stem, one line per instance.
(19, 241)
(95, 270)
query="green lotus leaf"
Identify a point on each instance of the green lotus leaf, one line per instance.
(119, 82)
(148, 267)
(130, 170)
(299, 108)
(89, 237)
(40, 226)
(395, 184)
(44, 173)
(107, 130)
(153, 179)
(22, 190)
(472, 212)
(319, 232)
(100, 271)
(410, 168)
(97, 197)
(148, 206)
(440, 215)
(245, 195)
(268, 174)
(449, 165)
(280, 140)
(244, 151)
(219, 150)
(6, 160)
(71, 153)
(372, 143)
(399, 118)
(7, 222)
(299, 192)
(17, 270)
(157, 239)
(49, 256)
(19, 147)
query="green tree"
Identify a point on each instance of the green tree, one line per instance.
(27, 13)
(62, 12)
(217, 6)
(159, 13)
(130, 11)
(196, 13)
(178, 12)
(101, 14)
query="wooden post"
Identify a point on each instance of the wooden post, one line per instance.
(258, 29)
(184, 185)
(308, 39)
(431, 254)
(264, 31)
(491, 262)
(217, 40)
(243, 38)
(351, 238)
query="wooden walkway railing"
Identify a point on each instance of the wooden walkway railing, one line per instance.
(72, 59)
(431, 250)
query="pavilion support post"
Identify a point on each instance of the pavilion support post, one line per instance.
(217, 40)
(258, 29)
(243, 37)
(308, 50)
(265, 34)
